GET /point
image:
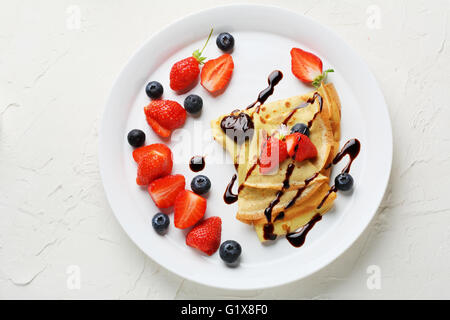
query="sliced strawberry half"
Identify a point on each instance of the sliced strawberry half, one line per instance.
(189, 208)
(273, 153)
(206, 235)
(300, 147)
(291, 142)
(158, 129)
(164, 191)
(308, 67)
(217, 73)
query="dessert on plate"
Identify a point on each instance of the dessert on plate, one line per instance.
(283, 152)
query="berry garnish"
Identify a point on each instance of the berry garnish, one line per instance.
(230, 251)
(160, 223)
(225, 41)
(154, 90)
(308, 67)
(300, 147)
(136, 138)
(300, 128)
(200, 184)
(343, 181)
(185, 72)
(164, 191)
(193, 103)
(206, 235)
(189, 208)
(273, 153)
(164, 116)
(217, 73)
(154, 161)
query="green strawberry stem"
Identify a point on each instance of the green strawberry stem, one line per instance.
(322, 78)
(198, 54)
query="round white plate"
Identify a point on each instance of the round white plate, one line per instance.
(263, 38)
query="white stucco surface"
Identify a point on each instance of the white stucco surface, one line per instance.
(55, 75)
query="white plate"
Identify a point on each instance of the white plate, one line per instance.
(263, 38)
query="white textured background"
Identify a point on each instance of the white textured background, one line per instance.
(54, 80)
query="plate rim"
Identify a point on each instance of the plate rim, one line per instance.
(348, 243)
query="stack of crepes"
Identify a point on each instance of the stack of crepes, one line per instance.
(308, 185)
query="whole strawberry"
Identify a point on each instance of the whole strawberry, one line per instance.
(206, 235)
(154, 161)
(184, 73)
(164, 116)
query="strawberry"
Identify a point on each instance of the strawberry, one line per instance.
(163, 116)
(307, 67)
(300, 147)
(154, 161)
(189, 208)
(164, 190)
(273, 152)
(206, 235)
(217, 73)
(160, 148)
(291, 142)
(185, 72)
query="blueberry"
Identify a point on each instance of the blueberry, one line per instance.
(193, 103)
(200, 184)
(300, 128)
(160, 223)
(343, 182)
(154, 90)
(225, 41)
(230, 251)
(136, 138)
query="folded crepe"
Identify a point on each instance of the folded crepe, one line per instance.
(287, 201)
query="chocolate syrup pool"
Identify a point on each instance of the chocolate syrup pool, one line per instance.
(197, 163)
(238, 127)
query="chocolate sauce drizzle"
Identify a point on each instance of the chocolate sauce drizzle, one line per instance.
(274, 78)
(229, 197)
(289, 171)
(300, 191)
(304, 105)
(249, 172)
(268, 231)
(197, 163)
(351, 148)
(279, 216)
(297, 239)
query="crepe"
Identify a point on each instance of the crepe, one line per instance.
(308, 183)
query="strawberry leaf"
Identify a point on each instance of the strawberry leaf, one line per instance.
(322, 78)
(197, 54)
